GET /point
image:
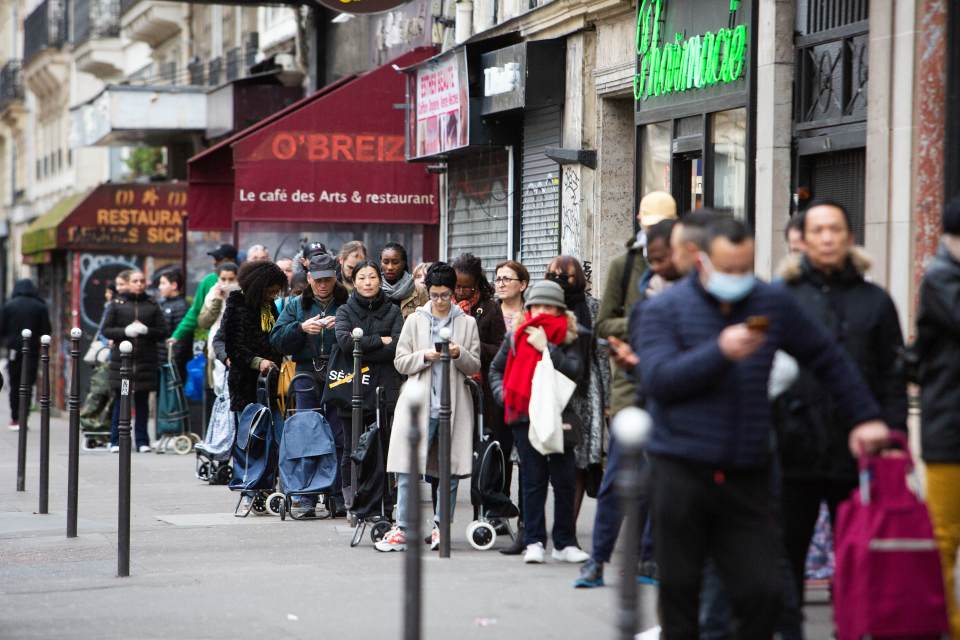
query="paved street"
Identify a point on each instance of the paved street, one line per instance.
(198, 572)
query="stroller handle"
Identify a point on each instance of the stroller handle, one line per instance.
(267, 386)
(293, 385)
(477, 392)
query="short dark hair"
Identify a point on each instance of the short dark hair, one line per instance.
(399, 248)
(822, 202)
(472, 265)
(367, 264)
(695, 226)
(793, 224)
(441, 274)
(661, 231)
(227, 266)
(173, 276)
(256, 277)
(125, 274)
(729, 228)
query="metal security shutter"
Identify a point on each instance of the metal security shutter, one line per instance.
(477, 207)
(841, 176)
(540, 202)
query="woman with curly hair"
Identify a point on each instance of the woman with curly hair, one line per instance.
(247, 320)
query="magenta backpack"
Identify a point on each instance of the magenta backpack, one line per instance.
(887, 582)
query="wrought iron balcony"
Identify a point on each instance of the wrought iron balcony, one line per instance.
(94, 19)
(233, 64)
(214, 69)
(44, 28)
(11, 83)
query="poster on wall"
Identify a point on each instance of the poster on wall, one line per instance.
(441, 112)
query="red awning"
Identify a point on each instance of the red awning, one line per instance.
(339, 158)
(210, 172)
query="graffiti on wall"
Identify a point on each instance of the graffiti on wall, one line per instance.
(570, 200)
(96, 272)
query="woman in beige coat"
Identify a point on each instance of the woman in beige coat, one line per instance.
(418, 359)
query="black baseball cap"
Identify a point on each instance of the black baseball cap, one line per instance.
(322, 266)
(313, 249)
(224, 251)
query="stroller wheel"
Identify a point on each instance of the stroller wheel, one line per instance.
(224, 474)
(481, 535)
(89, 444)
(284, 508)
(260, 503)
(352, 519)
(194, 437)
(182, 445)
(275, 503)
(203, 470)
(379, 530)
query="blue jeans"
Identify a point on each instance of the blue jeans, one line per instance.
(140, 405)
(403, 484)
(535, 471)
(308, 397)
(606, 522)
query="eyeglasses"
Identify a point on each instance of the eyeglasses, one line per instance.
(552, 275)
(505, 280)
(436, 297)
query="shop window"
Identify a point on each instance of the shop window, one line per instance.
(728, 140)
(655, 140)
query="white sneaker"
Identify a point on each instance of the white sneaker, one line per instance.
(534, 553)
(115, 448)
(572, 554)
(435, 539)
(144, 448)
(13, 426)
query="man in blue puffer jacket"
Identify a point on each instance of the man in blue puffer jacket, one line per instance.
(706, 348)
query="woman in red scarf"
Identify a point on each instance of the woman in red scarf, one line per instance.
(546, 326)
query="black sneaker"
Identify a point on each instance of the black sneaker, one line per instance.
(591, 575)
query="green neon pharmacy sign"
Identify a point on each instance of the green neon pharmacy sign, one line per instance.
(705, 60)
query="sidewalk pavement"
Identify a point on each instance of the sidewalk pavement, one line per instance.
(198, 572)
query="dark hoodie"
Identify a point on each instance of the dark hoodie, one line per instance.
(25, 310)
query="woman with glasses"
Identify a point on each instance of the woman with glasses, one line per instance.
(593, 386)
(398, 283)
(418, 358)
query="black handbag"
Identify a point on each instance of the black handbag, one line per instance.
(338, 385)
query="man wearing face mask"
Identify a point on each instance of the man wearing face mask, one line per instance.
(828, 281)
(705, 350)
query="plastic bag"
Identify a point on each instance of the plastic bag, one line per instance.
(196, 370)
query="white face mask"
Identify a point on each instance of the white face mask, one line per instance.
(727, 287)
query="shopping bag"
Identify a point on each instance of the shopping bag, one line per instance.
(196, 372)
(549, 394)
(338, 389)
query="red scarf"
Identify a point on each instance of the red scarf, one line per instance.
(521, 362)
(468, 304)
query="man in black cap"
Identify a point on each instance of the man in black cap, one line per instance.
(307, 251)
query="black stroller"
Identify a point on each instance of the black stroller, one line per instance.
(488, 491)
(213, 454)
(372, 495)
(308, 455)
(255, 449)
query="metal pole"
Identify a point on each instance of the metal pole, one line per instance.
(123, 428)
(630, 428)
(24, 411)
(443, 494)
(356, 404)
(412, 618)
(73, 406)
(44, 424)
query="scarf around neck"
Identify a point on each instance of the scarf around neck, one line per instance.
(266, 318)
(467, 305)
(401, 289)
(521, 362)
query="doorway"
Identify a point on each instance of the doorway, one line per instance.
(687, 172)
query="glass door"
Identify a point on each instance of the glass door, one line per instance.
(688, 180)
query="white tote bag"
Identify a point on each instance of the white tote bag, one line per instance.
(549, 394)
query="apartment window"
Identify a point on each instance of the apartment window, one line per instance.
(39, 166)
(59, 159)
(69, 157)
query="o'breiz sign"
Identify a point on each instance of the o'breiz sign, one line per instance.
(362, 6)
(704, 60)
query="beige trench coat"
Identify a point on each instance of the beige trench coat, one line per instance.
(414, 341)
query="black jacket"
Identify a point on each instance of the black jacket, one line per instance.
(25, 310)
(173, 311)
(938, 346)
(378, 318)
(566, 359)
(123, 310)
(490, 327)
(863, 319)
(244, 340)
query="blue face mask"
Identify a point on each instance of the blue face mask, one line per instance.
(728, 287)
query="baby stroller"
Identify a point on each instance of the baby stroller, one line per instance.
(255, 449)
(308, 454)
(488, 490)
(372, 493)
(173, 414)
(97, 409)
(213, 454)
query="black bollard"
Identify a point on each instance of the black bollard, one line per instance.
(356, 405)
(24, 412)
(443, 442)
(44, 424)
(123, 428)
(630, 428)
(73, 406)
(412, 618)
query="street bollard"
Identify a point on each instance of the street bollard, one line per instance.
(123, 429)
(356, 418)
(631, 426)
(24, 412)
(73, 406)
(44, 424)
(413, 618)
(443, 442)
